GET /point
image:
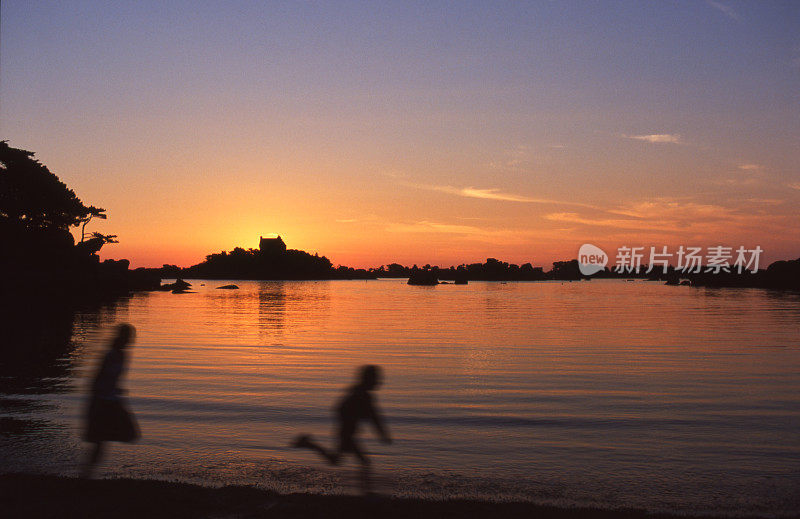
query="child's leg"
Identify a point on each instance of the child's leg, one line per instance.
(305, 442)
(92, 459)
(366, 483)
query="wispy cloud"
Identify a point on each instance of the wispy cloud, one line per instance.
(366, 218)
(679, 211)
(514, 158)
(657, 138)
(751, 167)
(765, 201)
(748, 175)
(794, 185)
(737, 181)
(726, 9)
(492, 194)
(482, 234)
(617, 223)
(678, 217)
(436, 227)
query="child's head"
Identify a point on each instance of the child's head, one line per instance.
(369, 376)
(125, 336)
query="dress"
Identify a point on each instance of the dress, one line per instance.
(108, 418)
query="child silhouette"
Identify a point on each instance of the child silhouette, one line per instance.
(357, 405)
(108, 418)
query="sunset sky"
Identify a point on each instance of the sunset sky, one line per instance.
(441, 133)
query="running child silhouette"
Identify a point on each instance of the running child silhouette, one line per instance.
(357, 405)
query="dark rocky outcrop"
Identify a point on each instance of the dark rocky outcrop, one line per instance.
(423, 278)
(178, 287)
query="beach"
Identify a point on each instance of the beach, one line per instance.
(35, 496)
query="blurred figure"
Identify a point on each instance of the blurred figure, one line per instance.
(108, 418)
(357, 405)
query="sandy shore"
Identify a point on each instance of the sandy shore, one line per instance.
(24, 495)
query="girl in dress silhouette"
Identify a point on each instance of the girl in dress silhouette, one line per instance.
(108, 418)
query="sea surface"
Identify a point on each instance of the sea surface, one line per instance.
(602, 393)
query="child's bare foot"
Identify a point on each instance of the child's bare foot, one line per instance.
(302, 442)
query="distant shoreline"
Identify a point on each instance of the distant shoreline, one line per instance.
(619, 280)
(273, 261)
(35, 496)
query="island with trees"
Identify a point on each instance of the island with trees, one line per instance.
(271, 261)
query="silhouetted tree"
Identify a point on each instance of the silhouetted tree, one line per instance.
(566, 270)
(34, 198)
(38, 252)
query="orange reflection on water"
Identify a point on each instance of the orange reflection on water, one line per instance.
(541, 380)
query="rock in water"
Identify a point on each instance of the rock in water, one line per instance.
(423, 278)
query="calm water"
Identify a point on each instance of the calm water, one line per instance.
(599, 393)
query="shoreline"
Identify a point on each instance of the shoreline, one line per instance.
(39, 496)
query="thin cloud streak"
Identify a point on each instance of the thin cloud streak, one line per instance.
(726, 9)
(617, 223)
(766, 201)
(482, 234)
(657, 138)
(494, 194)
(666, 209)
(444, 228)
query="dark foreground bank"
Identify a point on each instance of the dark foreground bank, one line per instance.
(25, 495)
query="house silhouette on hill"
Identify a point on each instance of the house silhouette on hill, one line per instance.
(271, 245)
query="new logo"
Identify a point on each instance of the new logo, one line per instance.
(591, 259)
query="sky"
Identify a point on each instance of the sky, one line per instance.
(414, 132)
